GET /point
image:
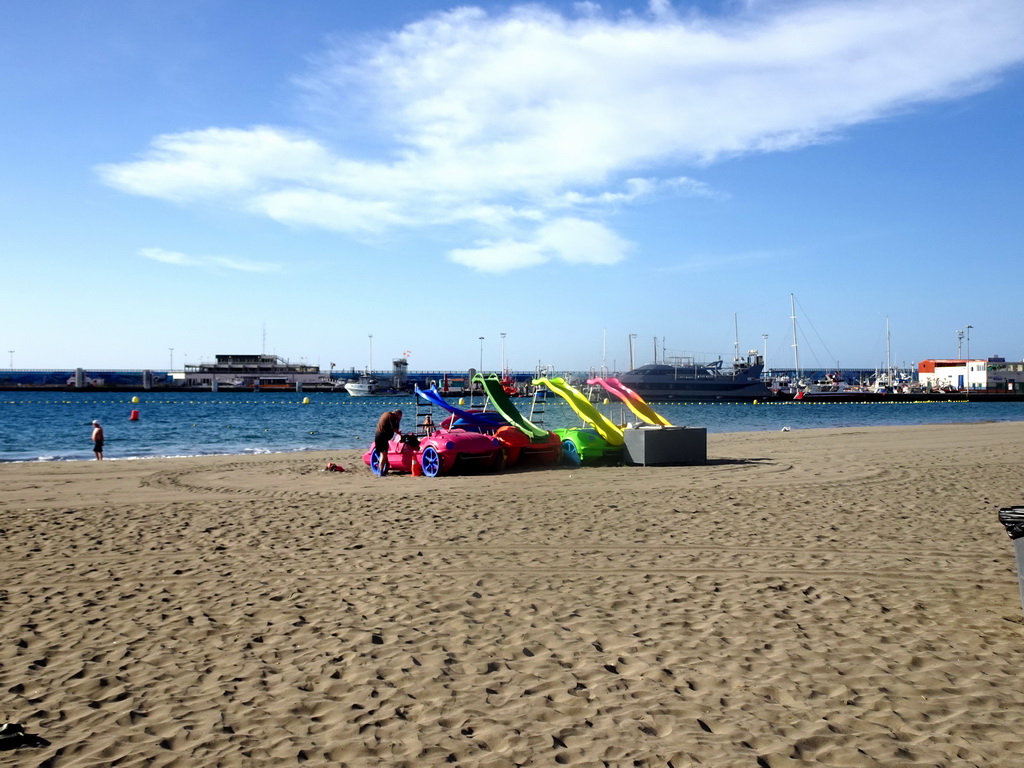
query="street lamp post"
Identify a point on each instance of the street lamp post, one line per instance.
(171, 364)
(968, 330)
(764, 361)
(631, 337)
(481, 370)
(504, 367)
(11, 353)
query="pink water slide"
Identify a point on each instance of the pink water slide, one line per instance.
(633, 401)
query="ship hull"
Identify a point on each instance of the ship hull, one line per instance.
(666, 382)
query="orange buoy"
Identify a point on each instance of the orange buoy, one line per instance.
(134, 416)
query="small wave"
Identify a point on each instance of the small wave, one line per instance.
(33, 459)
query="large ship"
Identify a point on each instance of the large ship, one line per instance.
(686, 379)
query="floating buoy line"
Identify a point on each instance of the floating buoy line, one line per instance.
(304, 401)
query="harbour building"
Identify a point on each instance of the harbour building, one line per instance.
(248, 372)
(994, 375)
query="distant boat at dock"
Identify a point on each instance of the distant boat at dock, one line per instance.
(364, 386)
(689, 380)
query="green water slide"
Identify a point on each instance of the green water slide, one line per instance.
(579, 403)
(503, 404)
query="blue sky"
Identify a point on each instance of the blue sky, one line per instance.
(219, 176)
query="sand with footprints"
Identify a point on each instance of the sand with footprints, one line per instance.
(840, 597)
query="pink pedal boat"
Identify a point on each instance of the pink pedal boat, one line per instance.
(441, 452)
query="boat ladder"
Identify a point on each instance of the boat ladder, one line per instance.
(539, 398)
(424, 417)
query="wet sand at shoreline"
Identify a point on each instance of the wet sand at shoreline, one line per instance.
(841, 597)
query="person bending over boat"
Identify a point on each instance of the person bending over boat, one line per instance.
(387, 426)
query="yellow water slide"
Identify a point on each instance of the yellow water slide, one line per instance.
(579, 403)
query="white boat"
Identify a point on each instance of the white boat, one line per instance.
(364, 386)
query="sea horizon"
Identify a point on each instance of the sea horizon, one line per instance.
(56, 426)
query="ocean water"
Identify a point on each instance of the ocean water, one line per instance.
(45, 426)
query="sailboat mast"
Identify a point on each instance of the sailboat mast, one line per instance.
(796, 351)
(888, 351)
(736, 335)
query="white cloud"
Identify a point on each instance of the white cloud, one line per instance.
(207, 262)
(582, 242)
(662, 10)
(242, 265)
(168, 257)
(500, 256)
(571, 240)
(328, 210)
(217, 162)
(637, 189)
(587, 8)
(498, 121)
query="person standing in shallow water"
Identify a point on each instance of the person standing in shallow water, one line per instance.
(97, 440)
(387, 426)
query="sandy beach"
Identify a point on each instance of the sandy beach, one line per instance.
(840, 597)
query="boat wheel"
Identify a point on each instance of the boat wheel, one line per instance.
(570, 454)
(499, 461)
(375, 462)
(430, 461)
